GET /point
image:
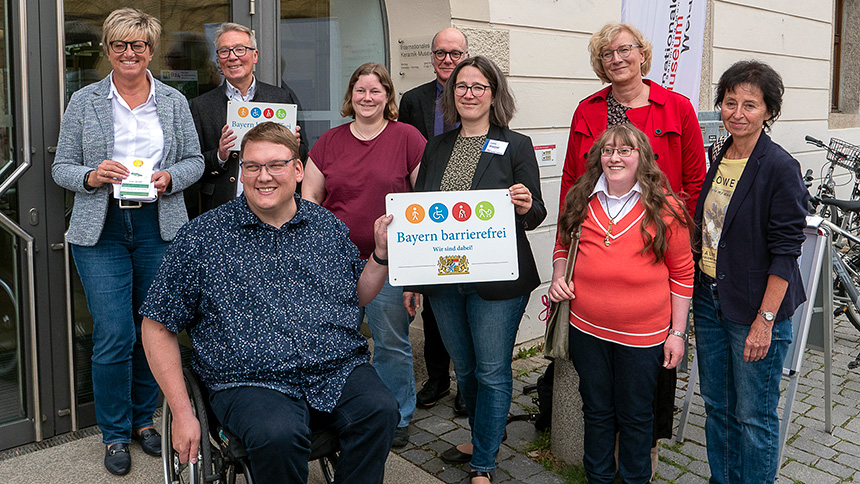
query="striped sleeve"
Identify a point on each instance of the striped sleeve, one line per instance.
(679, 260)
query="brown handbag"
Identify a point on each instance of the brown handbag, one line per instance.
(556, 343)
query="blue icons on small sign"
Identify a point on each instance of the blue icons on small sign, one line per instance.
(256, 113)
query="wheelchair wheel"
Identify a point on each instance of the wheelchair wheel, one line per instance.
(174, 471)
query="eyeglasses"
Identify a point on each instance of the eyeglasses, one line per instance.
(477, 89)
(440, 54)
(274, 167)
(623, 52)
(239, 50)
(623, 152)
(120, 46)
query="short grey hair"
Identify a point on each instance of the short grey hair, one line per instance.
(127, 22)
(234, 27)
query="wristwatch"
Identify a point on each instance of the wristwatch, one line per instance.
(680, 334)
(768, 316)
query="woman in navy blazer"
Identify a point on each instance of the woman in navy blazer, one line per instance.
(752, 213)
(478, 322)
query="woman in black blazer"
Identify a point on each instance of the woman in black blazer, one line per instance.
(479, 321)
(751, 215)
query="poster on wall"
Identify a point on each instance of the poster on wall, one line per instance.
(451, 237)
(676, 29)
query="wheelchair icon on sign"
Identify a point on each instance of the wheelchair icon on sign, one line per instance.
(438, 212)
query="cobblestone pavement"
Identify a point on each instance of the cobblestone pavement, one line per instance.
(436, 429)
(811, 455)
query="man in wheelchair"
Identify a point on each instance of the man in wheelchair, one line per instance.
(269, 288)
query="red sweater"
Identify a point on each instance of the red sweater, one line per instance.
(621, 295)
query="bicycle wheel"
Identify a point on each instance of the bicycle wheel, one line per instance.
(844, 297)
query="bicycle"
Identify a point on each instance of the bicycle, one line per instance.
(841, 216)
(848, 278)
(840, 154)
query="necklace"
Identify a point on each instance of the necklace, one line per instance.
(612, 220)
(367, 138)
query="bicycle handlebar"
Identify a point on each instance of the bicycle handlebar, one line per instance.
(815, 141)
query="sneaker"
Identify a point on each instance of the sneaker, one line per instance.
(432, 392)
(117, 459)
(401, 438)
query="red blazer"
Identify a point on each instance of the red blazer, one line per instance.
(671, 125)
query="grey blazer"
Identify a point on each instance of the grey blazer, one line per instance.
(86, 139)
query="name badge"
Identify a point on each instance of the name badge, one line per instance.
(495, 146)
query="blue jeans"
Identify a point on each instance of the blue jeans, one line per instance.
(275, 429)
(479, 335)
(116, 273)
(742, 424)
(617, 385)
(392, 351)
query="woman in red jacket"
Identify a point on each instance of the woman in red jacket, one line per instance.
(629, 296)
(621, 56)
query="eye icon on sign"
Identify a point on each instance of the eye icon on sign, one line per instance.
(461, 211)
(415, 213)
(484, 210)
(137, 163)
(438, 212)
(255, 113)
(243, 112)
(268, 113)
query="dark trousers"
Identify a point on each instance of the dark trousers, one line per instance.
(617, 385)
(275, 429)
(435, 355)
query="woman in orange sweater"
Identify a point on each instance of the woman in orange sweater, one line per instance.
(629, 296)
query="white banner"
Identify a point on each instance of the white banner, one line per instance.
(451, 237)
(676, 28)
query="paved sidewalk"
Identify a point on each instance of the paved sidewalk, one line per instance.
(812, 456)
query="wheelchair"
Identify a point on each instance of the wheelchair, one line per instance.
(222, 456)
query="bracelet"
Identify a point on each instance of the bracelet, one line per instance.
(382, 262)
(680, 334)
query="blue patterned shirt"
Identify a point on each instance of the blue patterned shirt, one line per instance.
(264, 306)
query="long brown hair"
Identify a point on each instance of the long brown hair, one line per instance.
(655, 191)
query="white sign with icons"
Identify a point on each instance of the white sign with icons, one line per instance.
(242, 116)
(451, 237)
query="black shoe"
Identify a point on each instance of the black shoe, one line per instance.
(117, 459)
(474, 473)
(150, 441)
(401, 438)
(460, 407)
(432, 392)
(454, 456)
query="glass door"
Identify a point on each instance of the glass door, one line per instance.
(19, 369)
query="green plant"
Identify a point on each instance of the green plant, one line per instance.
(524, 352)
(539, 451)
